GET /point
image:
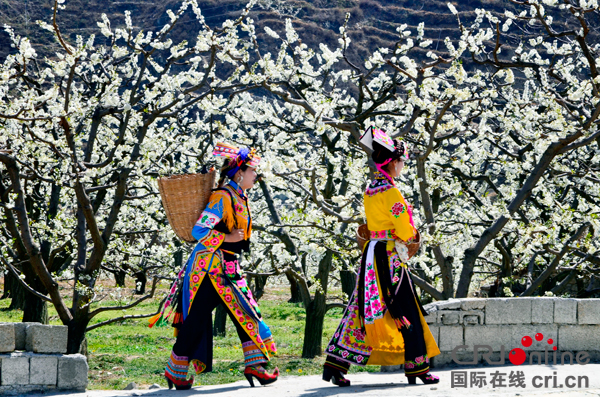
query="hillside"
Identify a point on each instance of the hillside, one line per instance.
(372, 24)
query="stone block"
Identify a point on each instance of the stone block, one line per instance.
(546, 332)
(492, 335)
(565, 311)
(508, 311)
(473, 303)
(578, 338)
(7, 338)
(451, 304)
(450, 318)
(14, 370)
(43, 370)
(24, 390)
(450, 337)
(588, 311)
(21, 335)
(432, 317)
(47, 338)
(476, 317)
(72, 372)
(435, 332)
(441, 360)
(542, 310)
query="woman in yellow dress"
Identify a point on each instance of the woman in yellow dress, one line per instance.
(384, 322)
(212, 276)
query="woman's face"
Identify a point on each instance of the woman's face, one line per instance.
(395, 168)
(246, 179)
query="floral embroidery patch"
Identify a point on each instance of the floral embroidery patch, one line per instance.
(199, 366)
(208, 220)
(348, 342)
(378, 186)
(213, 240)
(398, 209)
(231, 267)
(374, 309)
(418, 361)
(383, 234)
(231, 299)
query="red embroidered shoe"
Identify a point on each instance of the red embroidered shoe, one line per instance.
(178, 383)
(427, 379)
(263, 377)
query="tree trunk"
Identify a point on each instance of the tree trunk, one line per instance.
(294, 289)
(36, 310)
(348, 279)
(140, 283)
(315, 312)
(83, 349)
(77, 332)
(9, 280)
(313, 329)
(18, 294)
(259, 286)
(219, 328)
(120, 278)
(442, 261)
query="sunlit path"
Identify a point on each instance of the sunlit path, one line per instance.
(393, 384)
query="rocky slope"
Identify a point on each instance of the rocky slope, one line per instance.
(372, 23)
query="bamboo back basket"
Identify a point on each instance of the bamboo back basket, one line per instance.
(184, 197)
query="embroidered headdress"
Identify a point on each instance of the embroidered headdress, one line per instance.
(397, 149)
(238, 157)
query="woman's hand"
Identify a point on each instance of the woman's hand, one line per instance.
(235, 236)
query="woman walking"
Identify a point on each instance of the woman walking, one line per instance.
(384, 322)
(213, 276)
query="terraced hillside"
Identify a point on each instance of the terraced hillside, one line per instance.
(372, 24)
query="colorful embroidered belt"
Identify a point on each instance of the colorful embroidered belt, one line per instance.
(383, 235)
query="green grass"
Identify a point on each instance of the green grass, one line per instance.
(129, 351)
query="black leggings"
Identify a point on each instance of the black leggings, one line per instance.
(195, 334)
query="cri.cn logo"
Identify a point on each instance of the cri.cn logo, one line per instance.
(517, 356)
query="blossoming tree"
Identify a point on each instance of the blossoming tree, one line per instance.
(503, 177)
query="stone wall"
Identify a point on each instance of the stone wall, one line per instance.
(573, 325)
(32, 358)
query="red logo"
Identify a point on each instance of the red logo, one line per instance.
(517, 355)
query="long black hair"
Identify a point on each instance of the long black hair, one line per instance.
(227, 166)
(382, 154)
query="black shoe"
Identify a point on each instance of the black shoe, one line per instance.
(335, 376)
(427, 379)
(179, 385)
